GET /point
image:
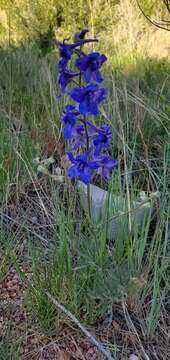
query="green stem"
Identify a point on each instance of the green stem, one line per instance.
(88, 186)
(89, 200)
(87, 148)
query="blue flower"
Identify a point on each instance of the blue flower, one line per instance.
(82, 167)
(77, 128)
(65, 78)
(102, 139)
(69, 121)
(88, 98)
(78, 135)
(66, 51)
(78, 36)
(90, 64)
(106, 165)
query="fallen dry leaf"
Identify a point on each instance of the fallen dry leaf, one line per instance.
(65, 162)
(63, 355)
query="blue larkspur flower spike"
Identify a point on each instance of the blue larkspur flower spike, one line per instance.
(82, 133)
(88, 97)
(82, 167)
(89, 65)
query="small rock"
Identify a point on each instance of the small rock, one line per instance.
(133, 357)
(34, 220)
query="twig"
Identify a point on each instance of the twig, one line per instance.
(130, 324)
(93, 340)
(22, 226)
(154, 22)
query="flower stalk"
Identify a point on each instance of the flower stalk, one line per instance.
(88, 143)
(88, 185)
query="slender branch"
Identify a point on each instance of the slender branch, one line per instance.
(93, 340)
(132, 326)
(155, 23)
(75, 82)
(167, 4)
(4, 216)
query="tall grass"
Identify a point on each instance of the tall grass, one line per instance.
(80, 266)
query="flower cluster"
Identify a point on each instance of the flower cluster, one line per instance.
(88, 143)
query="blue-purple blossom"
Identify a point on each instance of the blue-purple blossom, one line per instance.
(102, 138)
(77, 128)
(69, 121)
(65, 77)
(88, 97)
(105, 165)
(66, 51)
(78, 36)
(82, 167)
(90, 64)
(78, 136)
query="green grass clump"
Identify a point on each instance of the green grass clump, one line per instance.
(79, 265)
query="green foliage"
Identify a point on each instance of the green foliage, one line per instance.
(9, 349)
(27, 19)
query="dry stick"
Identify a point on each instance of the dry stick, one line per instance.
(130, 324)
(5, 216)
(86, 332)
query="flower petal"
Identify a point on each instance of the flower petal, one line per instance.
(70, 156)
(82, 157)
(97, 76)
(73, 171)
(70, 108)
(87, 75)
(93, 165)
(88, 107)
(67, 131)
(77, 94)
(111, 164)
(85, 176)
(104, 172)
